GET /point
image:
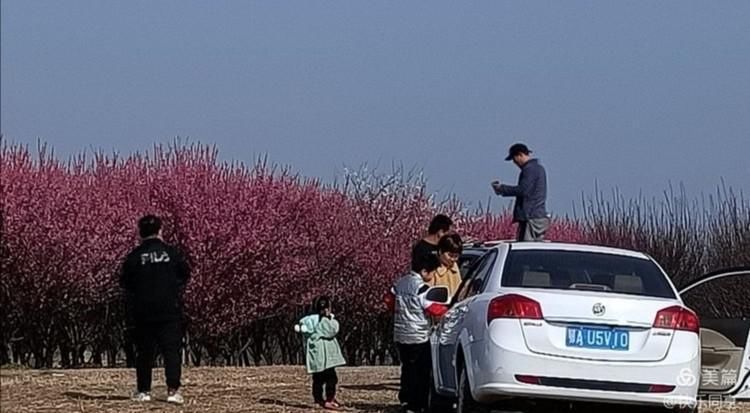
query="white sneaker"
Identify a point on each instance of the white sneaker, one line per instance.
(141, 397)
(175, 398)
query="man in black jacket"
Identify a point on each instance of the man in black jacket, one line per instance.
(154, 275)
(439, 226)
(530, 209)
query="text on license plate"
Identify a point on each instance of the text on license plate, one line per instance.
(600, 338)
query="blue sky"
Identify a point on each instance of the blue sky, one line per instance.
(634, 95)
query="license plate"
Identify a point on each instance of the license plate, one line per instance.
(598, 338)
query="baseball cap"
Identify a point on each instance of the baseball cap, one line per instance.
(515, 149)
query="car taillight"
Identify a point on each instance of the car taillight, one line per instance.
(677, 318)
(514, 306)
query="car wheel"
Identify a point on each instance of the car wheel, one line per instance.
(437, 403)
(466, 402)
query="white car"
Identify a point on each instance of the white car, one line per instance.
(543, 325)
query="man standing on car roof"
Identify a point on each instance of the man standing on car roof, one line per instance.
(154, 275)
(530, 210)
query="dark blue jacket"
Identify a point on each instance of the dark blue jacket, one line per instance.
(530, 193)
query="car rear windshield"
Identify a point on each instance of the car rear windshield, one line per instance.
(577, 270)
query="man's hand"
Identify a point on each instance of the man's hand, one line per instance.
(496, 187)
(297, 328)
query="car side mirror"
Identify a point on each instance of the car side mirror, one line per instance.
(438, 294)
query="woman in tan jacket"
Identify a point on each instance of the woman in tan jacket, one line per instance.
(448, 274)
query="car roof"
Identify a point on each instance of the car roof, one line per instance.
(559, 246)
(485, 245)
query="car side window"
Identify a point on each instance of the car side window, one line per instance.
(474, 281)
(463, 288)
(466, 263)
(482, 273)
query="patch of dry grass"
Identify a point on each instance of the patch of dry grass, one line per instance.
(263, 390)
(266, 389)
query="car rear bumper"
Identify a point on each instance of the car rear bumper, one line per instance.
(495, 391)
(497, 365)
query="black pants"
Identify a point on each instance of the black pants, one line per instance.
(168, 337)
(327, 379)
(416, 362)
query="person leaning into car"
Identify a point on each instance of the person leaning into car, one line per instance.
(412, 324)
(448, 274)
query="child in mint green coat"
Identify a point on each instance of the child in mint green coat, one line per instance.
(322, 352)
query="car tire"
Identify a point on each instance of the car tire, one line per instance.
(466, 402)
(437, 403)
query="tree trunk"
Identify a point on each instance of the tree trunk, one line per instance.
(257, 357)
(197, 353)
(96, 358)
(49, 354)
(65, 361)
(4, 357)
(38, 358)
(129, 354)
(112, 358)
(80, 357)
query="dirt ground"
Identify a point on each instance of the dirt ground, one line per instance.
(268, 389)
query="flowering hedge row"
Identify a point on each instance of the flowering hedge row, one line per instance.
(262, 243)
